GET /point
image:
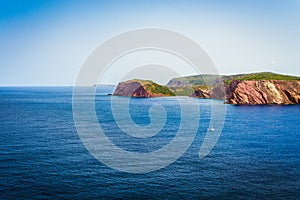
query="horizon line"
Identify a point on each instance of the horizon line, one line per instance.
(113, 84)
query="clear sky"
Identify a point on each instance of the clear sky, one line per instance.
(45, 42)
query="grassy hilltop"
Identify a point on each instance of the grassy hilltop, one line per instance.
(154, 88)
(259, 76)
(142, 88)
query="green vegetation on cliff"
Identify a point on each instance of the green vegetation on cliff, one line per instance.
(155, 88)
(202, 80)
(258, 77)
(197, 80)
(187, 90)
(186, 86)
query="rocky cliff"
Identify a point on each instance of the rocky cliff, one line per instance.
(263, 92)
(239, 92)
(216, 93)
(142, 88)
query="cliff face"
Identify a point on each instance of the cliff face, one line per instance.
(218, 92)
(252, 88)
(141, 88)
(255, 92)
(200, 93)
(134, 89)
(239, 92)
(263, 92)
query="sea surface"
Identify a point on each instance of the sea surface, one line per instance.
(42, 156)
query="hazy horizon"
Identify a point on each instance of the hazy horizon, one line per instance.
(114, 84)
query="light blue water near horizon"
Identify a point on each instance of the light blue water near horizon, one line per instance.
(42, 157)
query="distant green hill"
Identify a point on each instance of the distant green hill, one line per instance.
(197, 80)
(259, 76)
(201, 80)
(186, 85)
(155, 88)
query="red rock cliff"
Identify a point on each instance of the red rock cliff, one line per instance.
(263, 92)
(134, 89)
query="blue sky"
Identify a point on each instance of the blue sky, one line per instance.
(46, 42)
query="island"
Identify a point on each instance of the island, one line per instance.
(264, 88)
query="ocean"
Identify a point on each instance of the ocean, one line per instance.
(42, 156)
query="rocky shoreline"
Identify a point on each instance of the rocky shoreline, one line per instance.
(271, 92)
(264, 92)
(238, 92)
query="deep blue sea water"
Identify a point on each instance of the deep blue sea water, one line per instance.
(42, 157)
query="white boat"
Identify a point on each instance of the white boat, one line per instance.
(211, 128)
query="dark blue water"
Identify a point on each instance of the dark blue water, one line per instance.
(41, 155)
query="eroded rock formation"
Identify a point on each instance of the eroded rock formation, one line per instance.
(215, 93)
(134, 89)
(263, 92)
